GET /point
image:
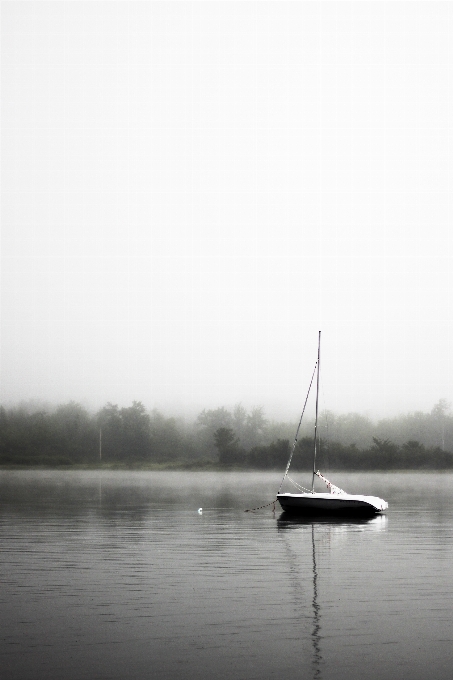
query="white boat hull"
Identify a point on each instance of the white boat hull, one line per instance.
(312, 503)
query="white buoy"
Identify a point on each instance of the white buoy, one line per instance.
(200, 511)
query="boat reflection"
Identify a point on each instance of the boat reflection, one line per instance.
(339, 524)
(289, 526)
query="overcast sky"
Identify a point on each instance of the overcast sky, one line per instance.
(190, 191)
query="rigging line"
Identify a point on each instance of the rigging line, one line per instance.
(298, 486)
(298, 428)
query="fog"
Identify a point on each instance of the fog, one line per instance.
(192, 190)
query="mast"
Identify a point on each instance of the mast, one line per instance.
(316, 415)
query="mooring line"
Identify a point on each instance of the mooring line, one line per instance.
(261, 507)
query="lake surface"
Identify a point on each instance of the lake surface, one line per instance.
(116, 575)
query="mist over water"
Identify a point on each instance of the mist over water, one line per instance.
(118, 575)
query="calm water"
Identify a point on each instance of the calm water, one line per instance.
(116, 575)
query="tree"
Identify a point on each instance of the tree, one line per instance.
(413, 455)
(167, 440)
(213, 419)
(206, 425)
(109, 421)
(386, 452)
(440, 413)
(136, 431)
(75, 431)
(239, 420)
(227, 445)
(254, 428)
(275, 455)
(126, 432)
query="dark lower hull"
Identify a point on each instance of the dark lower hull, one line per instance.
(322, 513)
(287, 519)
(326, 504)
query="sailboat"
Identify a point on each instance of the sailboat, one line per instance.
(335, 501)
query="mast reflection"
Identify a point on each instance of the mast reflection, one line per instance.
(316, 635)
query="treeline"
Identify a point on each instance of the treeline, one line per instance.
(382, 455)
(71, 435)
